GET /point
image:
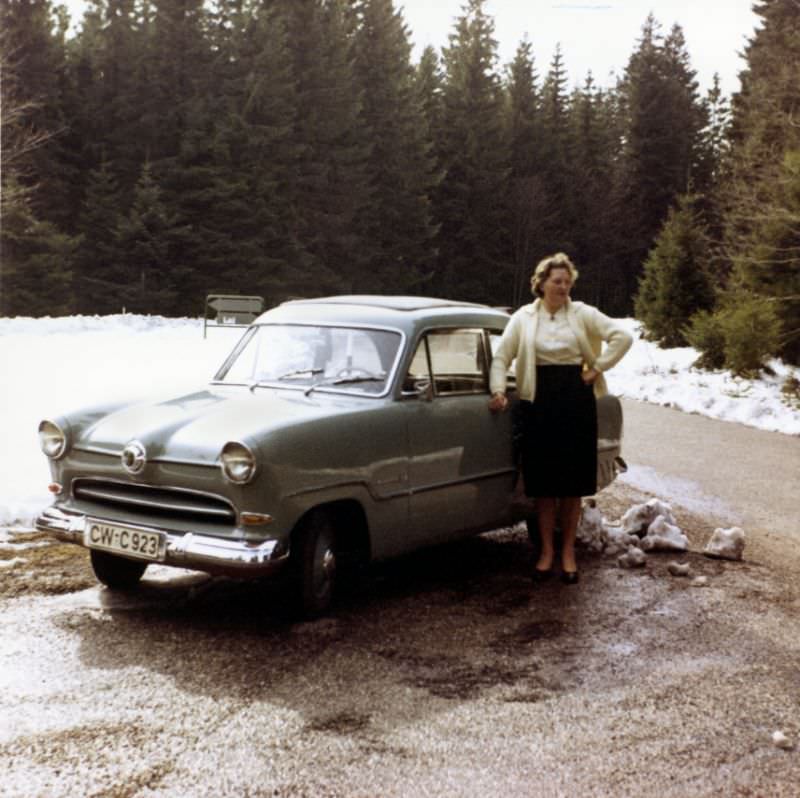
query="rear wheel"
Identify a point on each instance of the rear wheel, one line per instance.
(315, 564)
(118, 573)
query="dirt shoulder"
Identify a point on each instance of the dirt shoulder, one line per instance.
(35, 564)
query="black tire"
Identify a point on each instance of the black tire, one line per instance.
(315, 564)
(118, 573)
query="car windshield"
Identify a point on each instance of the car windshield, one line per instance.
(309, 357)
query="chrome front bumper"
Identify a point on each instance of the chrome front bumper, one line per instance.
(183, 550)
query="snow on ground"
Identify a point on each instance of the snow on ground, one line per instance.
(54, 365)
(666, 377)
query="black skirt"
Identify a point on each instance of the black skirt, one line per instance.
(559, 435)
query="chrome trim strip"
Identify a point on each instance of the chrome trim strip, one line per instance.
(188, 491)
(463, 481)
(176, 461)
(167, 460)
(93, 493)
(406, 491)
(96, 450)
(604, 444)
(188, 550)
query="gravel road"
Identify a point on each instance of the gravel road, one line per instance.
(445, 674)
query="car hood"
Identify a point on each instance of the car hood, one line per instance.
(195, 427)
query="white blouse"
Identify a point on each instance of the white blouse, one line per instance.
(556, 343)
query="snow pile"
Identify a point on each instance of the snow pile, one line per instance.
(649, 526)
(726, 544)
(667, 377)
(600, 536)
(664, 536)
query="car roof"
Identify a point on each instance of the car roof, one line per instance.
(407, 313)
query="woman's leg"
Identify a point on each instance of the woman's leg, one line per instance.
(569, 514)
(546, 514)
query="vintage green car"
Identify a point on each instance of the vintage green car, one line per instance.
(339, 431)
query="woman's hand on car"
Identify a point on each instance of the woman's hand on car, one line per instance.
(498, 402)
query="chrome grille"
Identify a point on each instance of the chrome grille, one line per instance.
(171, 502)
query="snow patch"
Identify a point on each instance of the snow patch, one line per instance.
(726, 544)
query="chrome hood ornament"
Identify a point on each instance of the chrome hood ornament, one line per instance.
(134, 457)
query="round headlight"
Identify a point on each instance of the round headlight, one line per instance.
(52, 439)
(238, 463)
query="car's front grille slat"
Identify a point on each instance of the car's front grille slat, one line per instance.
(169, 502)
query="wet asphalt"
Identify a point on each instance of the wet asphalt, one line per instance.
(447, 673)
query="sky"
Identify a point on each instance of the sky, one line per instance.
(62, 364)
(596, 35)
(599, 35)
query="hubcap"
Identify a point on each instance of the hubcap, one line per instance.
(326, 572)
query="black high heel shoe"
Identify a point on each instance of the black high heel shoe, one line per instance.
(569, 577)
(538, 575)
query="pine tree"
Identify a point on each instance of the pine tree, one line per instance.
(331, 185)
(175, 76)
(263, 157)
(474, 257)
(759, 201)
(401, 164)
(662, 138)
(32, 39)
(35, 278)
(98, 275)
(143, 243)
(594, 144)
(429, 87)
(676, 284)
(112, 49)
(714, 143)
(530, 210)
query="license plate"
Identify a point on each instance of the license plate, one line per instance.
(124, 540)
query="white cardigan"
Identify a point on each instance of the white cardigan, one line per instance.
(591, 328)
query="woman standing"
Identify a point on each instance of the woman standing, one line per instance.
(560, 360)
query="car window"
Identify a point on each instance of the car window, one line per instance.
(301, 356)
(418, 375)
(457, 361)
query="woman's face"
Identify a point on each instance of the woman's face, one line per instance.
(556, 287)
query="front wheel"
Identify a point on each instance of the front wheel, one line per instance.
(118, 573)
(315, 564)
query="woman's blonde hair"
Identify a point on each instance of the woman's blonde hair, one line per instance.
(546, 265)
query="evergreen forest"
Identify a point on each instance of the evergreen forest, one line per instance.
(161, 150)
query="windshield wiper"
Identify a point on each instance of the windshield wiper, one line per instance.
(343, 381)
(299, 373)
(289, 375)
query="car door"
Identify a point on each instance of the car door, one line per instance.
(460, 460)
